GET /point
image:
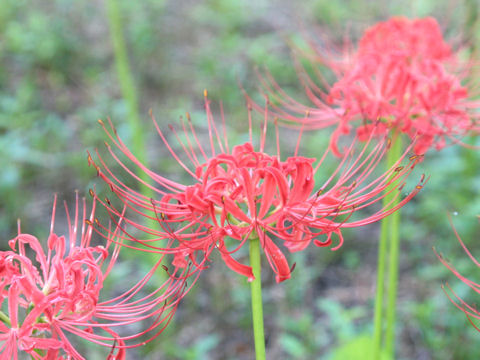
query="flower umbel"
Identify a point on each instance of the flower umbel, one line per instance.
(403, 74)
(239, 193)
(58, 293)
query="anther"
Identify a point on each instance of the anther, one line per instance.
(415, 157)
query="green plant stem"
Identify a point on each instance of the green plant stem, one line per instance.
(257, 306)
(378, 317)
(388, 233)
(125, 78)
(392, 283)
(5, 319)
(129, 93)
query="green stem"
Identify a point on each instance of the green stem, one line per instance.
(387, 231)
(125, 78)
(392, 283)
(382, 254)
(257, 307)
(129, 93)
(5, 319)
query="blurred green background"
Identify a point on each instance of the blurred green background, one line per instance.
(58, 76)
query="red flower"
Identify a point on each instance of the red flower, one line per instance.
(404, 75)
(58, 293)
(242, 192)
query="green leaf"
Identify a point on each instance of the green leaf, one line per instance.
(358, 348)
(293, 346)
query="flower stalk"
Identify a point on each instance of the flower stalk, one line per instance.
(5, 319)
(125, 77)
(256, 292)
(130, 95)
(389, 240)
(394, 225)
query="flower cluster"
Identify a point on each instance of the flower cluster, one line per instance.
(57, 292)
(243, 192)
(402, 77)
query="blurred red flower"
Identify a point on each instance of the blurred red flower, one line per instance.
(403, 75)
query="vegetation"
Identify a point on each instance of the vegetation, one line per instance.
(58, 76)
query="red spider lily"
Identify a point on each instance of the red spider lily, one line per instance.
(471, 311)
(403, 74)
(238, 193)
(58, 293)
